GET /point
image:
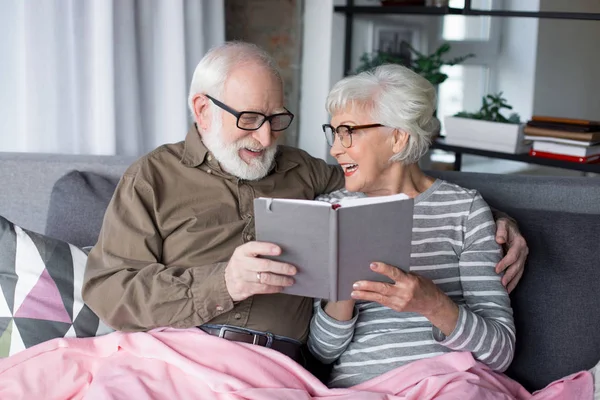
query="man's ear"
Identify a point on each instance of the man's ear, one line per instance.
(399, 140)
(202, 111)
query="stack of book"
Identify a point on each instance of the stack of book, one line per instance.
(564, 139)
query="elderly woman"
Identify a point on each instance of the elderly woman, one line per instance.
(452, 299)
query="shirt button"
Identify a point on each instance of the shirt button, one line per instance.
(219, 308)
(237, 316)
(208, 171)
(249, 237)
(209, 157)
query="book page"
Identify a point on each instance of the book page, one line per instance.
(352, 202)
(302, 230)
(582, 143)
(380, 232)
(297, 201)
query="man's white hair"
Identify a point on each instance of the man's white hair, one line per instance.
(216, 65)
(396, 97)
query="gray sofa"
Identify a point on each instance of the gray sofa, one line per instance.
(556, 305)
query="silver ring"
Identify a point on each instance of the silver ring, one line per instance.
(258, 276)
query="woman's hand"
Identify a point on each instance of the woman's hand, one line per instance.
(409, 293)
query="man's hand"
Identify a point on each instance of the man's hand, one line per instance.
(513, 263)
(247, 275)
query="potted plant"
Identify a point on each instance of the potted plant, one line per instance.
(487, 128)
(428, 66)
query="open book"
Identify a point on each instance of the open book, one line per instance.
(333, 245)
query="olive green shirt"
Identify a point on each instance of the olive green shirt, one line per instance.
(173, 223)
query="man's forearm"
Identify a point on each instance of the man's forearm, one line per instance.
(130, 297)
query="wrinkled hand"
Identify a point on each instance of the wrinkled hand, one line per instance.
(409, 292)
(247, 275)
(515, 246)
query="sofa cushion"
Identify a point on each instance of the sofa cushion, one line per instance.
(40, 290)
(556, 304)
(77, 205)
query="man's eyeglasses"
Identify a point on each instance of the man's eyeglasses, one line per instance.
(252, 120)
(344, 132)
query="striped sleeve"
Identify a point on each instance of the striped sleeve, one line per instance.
(328, 337)
(485, 323)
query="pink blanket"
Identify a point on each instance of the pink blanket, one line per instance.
(189, 364)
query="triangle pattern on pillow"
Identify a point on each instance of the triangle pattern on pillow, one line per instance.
(78, 273)
(8, 283)
(5, 336)
(8, 249)
(58, 261)
(86, 323)
(71, 332)
(35, 331)
(16, 342)
(44, 302)
(29, 266)
(5, 310)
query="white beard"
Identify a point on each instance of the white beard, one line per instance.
(228, 154)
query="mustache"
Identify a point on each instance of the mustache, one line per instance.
(253, 144)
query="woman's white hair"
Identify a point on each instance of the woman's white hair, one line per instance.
(216, 65)
(395, 97)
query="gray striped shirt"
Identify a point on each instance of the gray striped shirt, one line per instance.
(453, 244)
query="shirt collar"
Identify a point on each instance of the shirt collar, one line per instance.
(195, 153)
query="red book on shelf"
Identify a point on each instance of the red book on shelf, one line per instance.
(562, 157)
(559, 120)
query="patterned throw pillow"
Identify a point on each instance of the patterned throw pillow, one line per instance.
(40, 290)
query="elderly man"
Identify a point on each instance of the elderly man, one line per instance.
(177, 245)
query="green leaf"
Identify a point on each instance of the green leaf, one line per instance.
(428, 66)
(491, 105)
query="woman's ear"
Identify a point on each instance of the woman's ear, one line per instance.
(399, 140)
(202, 112)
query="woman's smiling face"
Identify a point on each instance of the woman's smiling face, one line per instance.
(366, 162)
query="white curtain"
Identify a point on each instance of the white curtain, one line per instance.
(100, 76)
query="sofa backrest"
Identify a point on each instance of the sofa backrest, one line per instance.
(26, 181)
(551, 193)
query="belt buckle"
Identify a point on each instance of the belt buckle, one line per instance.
(269, 336)
(255, 335)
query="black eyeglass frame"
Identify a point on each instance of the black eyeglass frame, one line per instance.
(238, 114)
(350, 129)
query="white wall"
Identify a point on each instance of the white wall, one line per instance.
(567, 81)
(550, 66)
(517, 60)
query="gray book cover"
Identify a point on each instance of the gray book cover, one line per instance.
(333, 247)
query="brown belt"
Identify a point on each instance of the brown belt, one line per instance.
(289, 347)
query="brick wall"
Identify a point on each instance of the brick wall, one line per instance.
(275, 25)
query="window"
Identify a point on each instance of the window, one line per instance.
(468, 82)
(459, 27)
(463, 89)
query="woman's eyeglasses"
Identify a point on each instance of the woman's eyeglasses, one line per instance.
(344, 132)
